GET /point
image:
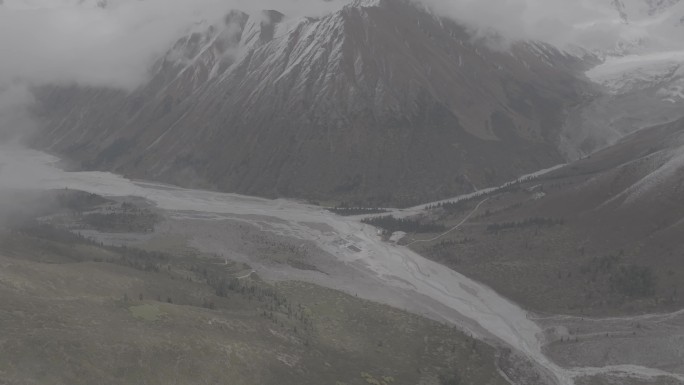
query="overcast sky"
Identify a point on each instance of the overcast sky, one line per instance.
(66, 41)
(75, 40)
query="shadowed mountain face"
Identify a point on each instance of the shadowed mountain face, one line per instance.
(379, 103)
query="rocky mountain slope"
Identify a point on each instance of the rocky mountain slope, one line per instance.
(380, 102)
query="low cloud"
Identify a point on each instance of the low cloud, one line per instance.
(67, 41)
(114, 42)
(16, 119)
(101, 42)
(591, 24)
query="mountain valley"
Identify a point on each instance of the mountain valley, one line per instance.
(367, 192)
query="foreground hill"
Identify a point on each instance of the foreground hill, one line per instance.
(76, 312)
(380, 102)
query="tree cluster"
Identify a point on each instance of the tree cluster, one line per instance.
(530, 222)
(449, 207)
(634, 281)
(351, 211)
(391, 224)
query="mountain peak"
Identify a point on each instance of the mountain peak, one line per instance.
(367, 3)
(363, 99)
(260, 28)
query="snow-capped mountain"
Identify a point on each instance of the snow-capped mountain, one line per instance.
(638, 91)
(636, 10)
(380, 101)
(642, 79)
(648, 26)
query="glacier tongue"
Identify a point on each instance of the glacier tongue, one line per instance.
(633, 72)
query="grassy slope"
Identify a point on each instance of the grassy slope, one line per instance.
(69, 320)
(583, 265)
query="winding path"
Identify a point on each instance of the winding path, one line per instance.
(453, 228)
